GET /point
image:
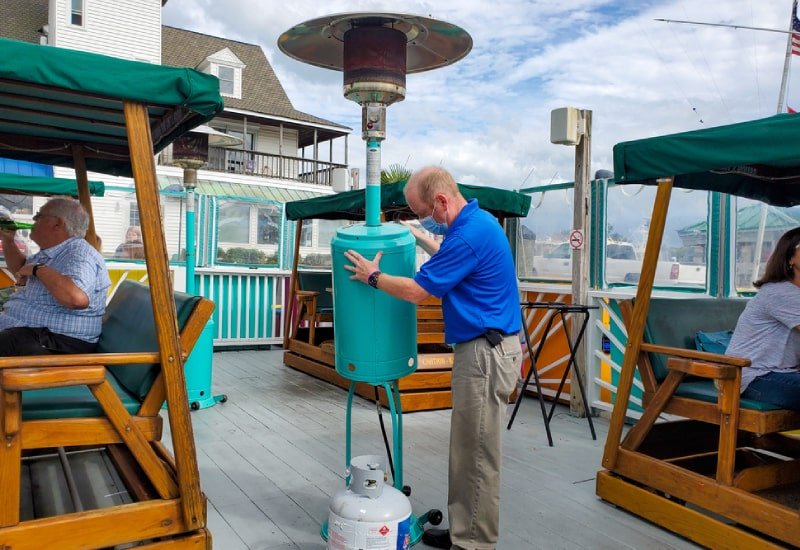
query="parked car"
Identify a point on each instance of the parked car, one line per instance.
(623, 265)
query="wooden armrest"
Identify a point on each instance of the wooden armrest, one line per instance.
(699, 355)
(702, 369)
(71, 360)
(304, 295)
(53, 377)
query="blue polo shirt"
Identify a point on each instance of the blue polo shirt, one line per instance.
(474, 275)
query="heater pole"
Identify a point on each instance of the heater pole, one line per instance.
(373, 131)
(373, 182)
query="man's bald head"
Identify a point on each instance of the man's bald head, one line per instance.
(427, 182)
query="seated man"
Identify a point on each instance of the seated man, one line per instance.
(61, 296)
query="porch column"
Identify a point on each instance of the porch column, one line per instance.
(316, 157)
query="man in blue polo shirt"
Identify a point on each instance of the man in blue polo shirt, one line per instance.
(472, 271)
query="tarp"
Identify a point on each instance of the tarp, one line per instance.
(53, 98)
(43, 185)
(758, 159)
(350, 204)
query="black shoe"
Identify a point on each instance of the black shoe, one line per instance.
(438, 538)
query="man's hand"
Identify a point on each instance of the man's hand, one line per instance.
(362, 268)
(423, 240)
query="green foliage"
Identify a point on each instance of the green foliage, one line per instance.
(316, 260)
(245, 256)
(394, 173)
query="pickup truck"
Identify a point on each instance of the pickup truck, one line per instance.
(623, 265)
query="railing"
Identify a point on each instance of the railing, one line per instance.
(270, 165)
(249, 303)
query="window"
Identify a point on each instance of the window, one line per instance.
(228, 69)
(682, 258)
(248, 234)
(234, 223)
(76, 13)
(306, 233)
(758, 228)
(319, 256)
(269, 224)
(543, 250)
(133, 214)
(226, 77)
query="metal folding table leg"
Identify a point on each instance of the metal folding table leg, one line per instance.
(535, 374)
(571, 364)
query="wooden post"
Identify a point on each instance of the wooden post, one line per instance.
(580, 256)
(155, 248)
(636, 332)
(288, 305)
(84, 196)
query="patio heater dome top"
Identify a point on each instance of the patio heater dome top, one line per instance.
(430, 43)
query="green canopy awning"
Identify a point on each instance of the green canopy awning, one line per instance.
(54, 98)
(43, 185)
(350, 204)
(758, 159)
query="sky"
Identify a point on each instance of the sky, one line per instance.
(486, 118)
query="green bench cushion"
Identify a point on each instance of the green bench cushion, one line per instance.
(675, 322)
(704, 390)
(71, 402)
(128, 326)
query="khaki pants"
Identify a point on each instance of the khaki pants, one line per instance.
(483, 378)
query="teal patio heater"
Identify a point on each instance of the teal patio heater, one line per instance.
(190, 152)
(374, 334)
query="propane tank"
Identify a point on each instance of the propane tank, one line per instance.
(369, 513)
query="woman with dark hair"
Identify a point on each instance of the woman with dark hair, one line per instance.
(768, 331)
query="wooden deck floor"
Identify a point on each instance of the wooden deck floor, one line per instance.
(273, 455)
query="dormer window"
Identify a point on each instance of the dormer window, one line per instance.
(228, 68)
(76, 13)
(227, 80)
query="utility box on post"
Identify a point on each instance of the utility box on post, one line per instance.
(564, 126)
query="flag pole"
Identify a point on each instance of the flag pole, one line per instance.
(787, 61)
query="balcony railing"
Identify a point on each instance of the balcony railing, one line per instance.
(269, 165)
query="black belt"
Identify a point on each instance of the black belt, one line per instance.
(494, 336)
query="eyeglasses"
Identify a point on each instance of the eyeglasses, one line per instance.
(40, 215)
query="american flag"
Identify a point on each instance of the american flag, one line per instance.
(795, 30)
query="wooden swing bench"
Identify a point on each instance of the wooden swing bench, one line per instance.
(727, 454)
(109, 399)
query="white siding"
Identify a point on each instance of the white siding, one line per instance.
(268, 139)
(126, 29)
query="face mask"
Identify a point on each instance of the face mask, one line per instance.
(432, 225)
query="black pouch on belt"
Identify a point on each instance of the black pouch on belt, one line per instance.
(494, 337)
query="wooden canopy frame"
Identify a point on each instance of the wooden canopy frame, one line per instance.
(678, 476)
(92, 112)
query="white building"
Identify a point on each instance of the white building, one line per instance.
(285, 154)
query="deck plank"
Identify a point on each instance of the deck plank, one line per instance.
(272, 456)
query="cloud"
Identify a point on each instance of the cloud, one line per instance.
(487, 117)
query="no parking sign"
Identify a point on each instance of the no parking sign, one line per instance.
(576, 239)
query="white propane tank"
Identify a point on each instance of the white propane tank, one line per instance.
(369, 514)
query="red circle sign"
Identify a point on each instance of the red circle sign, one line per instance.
(576, 239)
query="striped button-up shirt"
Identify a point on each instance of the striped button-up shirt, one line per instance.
(33, 305)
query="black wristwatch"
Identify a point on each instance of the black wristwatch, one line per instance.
(36, 268)
(373, 279)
